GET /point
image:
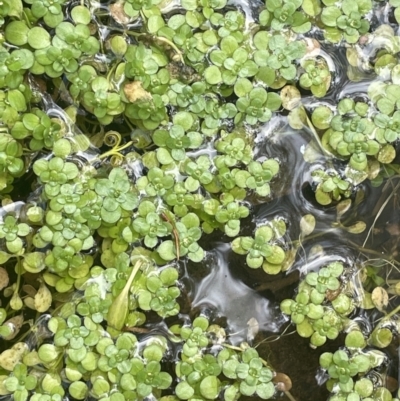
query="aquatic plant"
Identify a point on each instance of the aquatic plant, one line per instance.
(138, 132)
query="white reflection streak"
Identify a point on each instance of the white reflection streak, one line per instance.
(233, 299)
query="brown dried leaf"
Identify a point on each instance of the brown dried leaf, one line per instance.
(393, 229)
(283, 382)
(29, 290)
(134, 91)
(380, 298)
(391, 384)
(118, 13)
(252, 329)
(4, 279)
(15, 323)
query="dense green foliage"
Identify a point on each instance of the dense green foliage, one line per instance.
(135, 129)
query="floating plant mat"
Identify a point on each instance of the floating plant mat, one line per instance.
(199, 200)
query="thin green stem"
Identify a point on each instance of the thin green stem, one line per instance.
(232, 347)
(169, 43)
(26, 19)
(392, 313)
(316, 137)
(114, 151)
(288, 395)
(111, 71)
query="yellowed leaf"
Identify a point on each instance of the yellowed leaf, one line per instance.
(307, 224)
(43, 298)
(291, 97)
(380, 298)
(10, 357)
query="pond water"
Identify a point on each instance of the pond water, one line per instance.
(94, 217)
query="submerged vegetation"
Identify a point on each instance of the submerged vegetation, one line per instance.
(130, 133)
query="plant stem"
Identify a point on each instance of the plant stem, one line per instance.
(232, 347)
(169, 43)
(288, 395)
(114, 151)
(174, 233)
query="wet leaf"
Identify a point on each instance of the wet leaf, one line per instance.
(374, 167)
(342, 207)
(381, 337)
(353, 57)
(380, 298)
(356, 228)
(307, 225)
(291, 97)
(312, 152)
(317, 250)
(289, 259)
(366, 301)
(321, 117)
(297, 118)
(386, 154)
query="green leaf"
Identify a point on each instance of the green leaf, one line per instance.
(38, 38)
(154, 23)
(78, 390)
(209, 387)
(81, 15)
(183, 390)
(167, 250)
(213, 75)
(16, 33)
(17, 100)
(312, 7)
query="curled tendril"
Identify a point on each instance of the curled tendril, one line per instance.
(115, 153)
(112, 139)
(116, 160)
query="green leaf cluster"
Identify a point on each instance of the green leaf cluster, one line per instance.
(263, 250)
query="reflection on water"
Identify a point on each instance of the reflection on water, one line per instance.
(233, 299)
